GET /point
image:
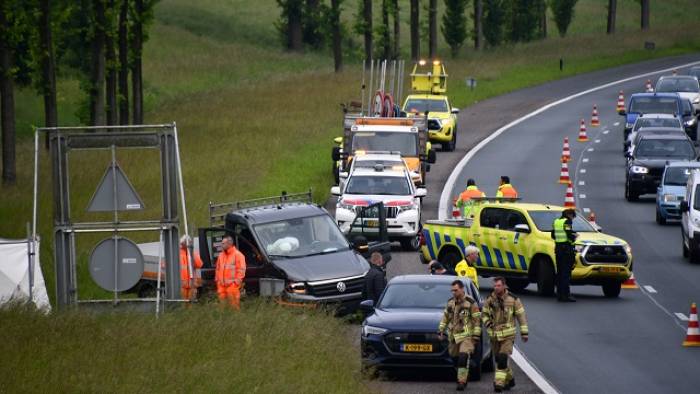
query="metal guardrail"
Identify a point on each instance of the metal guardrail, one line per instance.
(218, 211)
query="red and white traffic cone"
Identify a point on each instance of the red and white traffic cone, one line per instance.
(569, 201)
(456, 211)
(648, 86)
(566, 151)
(564, 174)
(692, 338)
(595, 121)
(620, 102)
(582, 136)
(630, 283)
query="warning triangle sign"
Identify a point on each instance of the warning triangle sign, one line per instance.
(115, 187)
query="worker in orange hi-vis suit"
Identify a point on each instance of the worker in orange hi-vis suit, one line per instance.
(188, 287)
(230, 272)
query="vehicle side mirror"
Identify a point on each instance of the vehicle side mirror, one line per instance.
(342, 174)
(335, 154)
(367, 306)
(335, 190)
(432, 156)
(338, 140)
(622, 112)
(421, 192)
(522, 228)
(684, 206)
(455, 111)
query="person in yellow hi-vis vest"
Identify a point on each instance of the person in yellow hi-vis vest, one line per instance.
(464, 200)
(466, 266)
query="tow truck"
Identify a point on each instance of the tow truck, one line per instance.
(514, 241)
(429, 97)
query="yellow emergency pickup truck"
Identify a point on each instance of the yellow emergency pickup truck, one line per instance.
(514, 241)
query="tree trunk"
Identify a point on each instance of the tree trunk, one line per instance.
(97, 72)
(543, 19)
(48, 67)
(397, 29)
(137, 51)
(123, 96)
(386, 36)
(111, 79)
(7, 106)
(335, 27)
(367, 8)
(433, 29)
(478, 29)
(645, 14)
(295, 32)
(415, 30)
(612, 14)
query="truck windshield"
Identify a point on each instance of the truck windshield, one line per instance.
(422, 105)
(381, 185)
(676, 176)
(654, 105)
(300, 237)
(663, 148)
(545, 219)
(406, 143)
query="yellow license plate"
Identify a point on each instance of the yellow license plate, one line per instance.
(417, 347)
(372, 223)
(610, 269)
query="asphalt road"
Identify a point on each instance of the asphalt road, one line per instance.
(630, 344)
(553, 324)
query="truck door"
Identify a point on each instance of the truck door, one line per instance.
(371, 220)
(515, 241)
(492, 239)
(257, 265)
(209, 249)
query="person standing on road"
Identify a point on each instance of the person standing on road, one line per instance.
(188, 283)
(230, 272)
(500, 311)
(564, 238)
(505, 189)
(466, 267)
(464, 200)
(375, 280)
(462, 319)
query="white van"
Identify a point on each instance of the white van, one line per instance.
(690, 218)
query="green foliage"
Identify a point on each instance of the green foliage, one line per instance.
(454, 24)
(312, 24)
(493, 20)
(563, 11)
(522, 20)
(19, 36)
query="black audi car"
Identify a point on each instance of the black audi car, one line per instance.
(401, 331)
(648, 157)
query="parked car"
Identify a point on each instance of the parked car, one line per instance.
(672, 189)
(401, 330)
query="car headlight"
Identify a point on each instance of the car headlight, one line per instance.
(670, 197)
(342, 205)
(371, 330)
(296, 287)
(690, 122)
(697, 100)
(579, 248)
(639, 170)
(410, 207)
(628, 249)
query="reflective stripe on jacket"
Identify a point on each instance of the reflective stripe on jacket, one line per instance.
(507, 190)
(462, 319)
(499, 315)
(230, 265)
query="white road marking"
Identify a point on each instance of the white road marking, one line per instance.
(606, 131)
(650, 289)
(681, 316)
(583, 171)
(585, 160)
(597, 141)
(590, 149)
(581, 196)
(616, 124)
(586, 210)
(581, 183)
(533, 373)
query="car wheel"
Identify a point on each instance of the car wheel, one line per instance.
(450, 260)
(612, 289)
(411, 244)
(517, 285)
(147, 290)
(545, 278)
(629, 195)
(694, 254)
(659, 218)
(450, 146)
(686, 252)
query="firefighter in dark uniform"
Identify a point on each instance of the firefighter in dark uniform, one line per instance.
(564, 238)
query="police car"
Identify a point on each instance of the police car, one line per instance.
(391, 185)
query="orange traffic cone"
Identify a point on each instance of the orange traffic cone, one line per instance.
(692, 338)
(564, 174)
(569, 198)
(582, 136)
(648, 87)
(630, 283)
(456, 211)
(566, 151)
(620, 102)
(595, 121)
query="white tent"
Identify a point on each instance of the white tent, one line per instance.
(14, 274)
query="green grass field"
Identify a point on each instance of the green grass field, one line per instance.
(255, 120)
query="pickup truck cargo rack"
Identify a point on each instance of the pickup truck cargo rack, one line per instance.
(218, 211)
